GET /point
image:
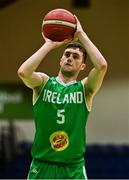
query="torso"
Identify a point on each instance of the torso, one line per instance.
(60, 116)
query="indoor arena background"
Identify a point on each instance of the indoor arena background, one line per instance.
(107, 24)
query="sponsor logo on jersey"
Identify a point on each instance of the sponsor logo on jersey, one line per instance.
(59, 140)
(57, 98)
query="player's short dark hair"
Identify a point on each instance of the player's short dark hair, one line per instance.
(75, 45)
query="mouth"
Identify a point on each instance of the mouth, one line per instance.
(68, 64)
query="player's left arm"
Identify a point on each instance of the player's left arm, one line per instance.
(92, 84)
(95, 78)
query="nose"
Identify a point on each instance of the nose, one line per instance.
(69, 59)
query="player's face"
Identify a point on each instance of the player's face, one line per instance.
(72, 61)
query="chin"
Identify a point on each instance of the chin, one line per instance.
(67, 72)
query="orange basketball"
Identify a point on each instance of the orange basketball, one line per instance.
(59, 24)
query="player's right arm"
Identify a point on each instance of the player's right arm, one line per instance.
(27, 71)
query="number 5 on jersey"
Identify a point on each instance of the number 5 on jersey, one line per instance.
(61, 116)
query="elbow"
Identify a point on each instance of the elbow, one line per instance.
(20, 73)
(104, 65)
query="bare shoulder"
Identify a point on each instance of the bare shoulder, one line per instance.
(85, 85)
(88, 94)
(84, 81)
(44, 78)
(36, 91)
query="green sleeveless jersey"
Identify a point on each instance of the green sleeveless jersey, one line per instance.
(60, 113)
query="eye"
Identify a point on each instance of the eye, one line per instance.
(75, 56)
(67, 54)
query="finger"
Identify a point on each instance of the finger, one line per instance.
(76, 17)
(43, 35)
(67, 40)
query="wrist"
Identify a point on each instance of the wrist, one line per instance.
(81, 34)
(48, 46)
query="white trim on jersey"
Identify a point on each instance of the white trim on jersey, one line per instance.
(40, 92)
(67, 84)
(84, 172)
(85, 96)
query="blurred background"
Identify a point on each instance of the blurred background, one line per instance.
(107, 25)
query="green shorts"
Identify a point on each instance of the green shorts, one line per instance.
(47, 170)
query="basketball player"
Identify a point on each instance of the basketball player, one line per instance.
(61, 107)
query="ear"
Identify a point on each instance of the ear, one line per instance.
(83, 66)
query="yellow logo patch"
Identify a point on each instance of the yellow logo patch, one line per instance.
(59, 140)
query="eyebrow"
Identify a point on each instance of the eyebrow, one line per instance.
(74, 53)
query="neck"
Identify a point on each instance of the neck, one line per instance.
(66, 79)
